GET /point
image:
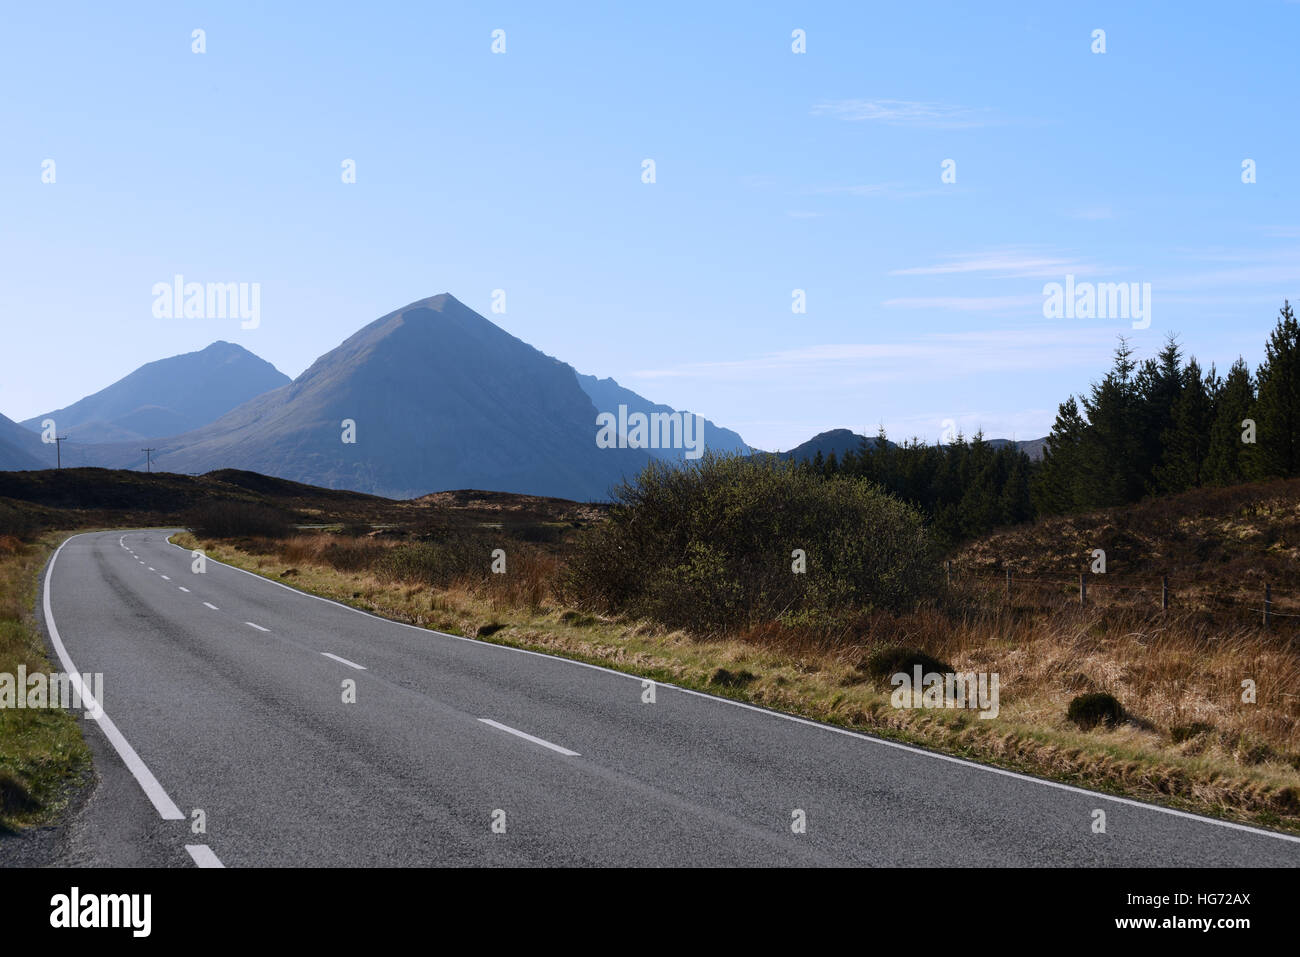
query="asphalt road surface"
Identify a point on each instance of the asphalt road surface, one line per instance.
(224, 694)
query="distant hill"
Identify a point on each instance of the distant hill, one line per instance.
(441, 399)
(21, 448)
(1031, 447)
(607, 395)
(168, 396)
(71, 498)
(840, 441)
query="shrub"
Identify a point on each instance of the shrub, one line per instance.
(17, 522)
(1090, 710)
(731, 679)
(232, 519)
(436, 563)
(710, 545)
(887, 662)
(14, 796)
(1185, 732)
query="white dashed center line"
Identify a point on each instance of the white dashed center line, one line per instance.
(350, 664)
(258, 627)
(183, 588)
(528, 737)
(203, 855)
(212, 606)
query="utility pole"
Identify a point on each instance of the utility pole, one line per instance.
(58, 450)
(148, 459)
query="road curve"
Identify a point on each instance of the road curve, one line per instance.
(224, 693)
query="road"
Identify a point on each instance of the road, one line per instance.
(224, 693)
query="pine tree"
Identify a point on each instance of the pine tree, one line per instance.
(1159, 386)
(1054, 489)
(1277, 408)
(1186, 441)
(1234, 400)
(1014, 503)
(1111, 462)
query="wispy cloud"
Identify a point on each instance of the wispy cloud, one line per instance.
(937, 356)
(866, 189)
(1012, 264)
(965, 303)
(1272, 267)
(1093, 213)
(904, 113)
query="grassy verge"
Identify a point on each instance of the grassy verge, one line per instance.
(1188, 744)
(41, 750)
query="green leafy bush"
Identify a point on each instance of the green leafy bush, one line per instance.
(712, 545)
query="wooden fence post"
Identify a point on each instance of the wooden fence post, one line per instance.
(1164, 593)
(1268, 602)
(1083, 589)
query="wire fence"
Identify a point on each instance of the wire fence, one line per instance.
(1019, 588)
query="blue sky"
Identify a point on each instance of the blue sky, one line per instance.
(775, 171)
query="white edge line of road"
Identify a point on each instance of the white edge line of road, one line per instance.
(203, 855)
(1130, 802)
(165, 806)
(528, 737)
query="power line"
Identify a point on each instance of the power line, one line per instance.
(148, 459)
(58, 450)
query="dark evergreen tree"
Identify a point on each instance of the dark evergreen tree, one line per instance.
(1160, 383)
(1185, 443)
(1277, 407)
(1054, 489)
(1234, 400)
(1112, 456)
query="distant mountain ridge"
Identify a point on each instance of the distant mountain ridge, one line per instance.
(837, 441)
(429, 398)
(22, 449)
(840, 441)
(168, 396)
(607, 395)
(437, 397)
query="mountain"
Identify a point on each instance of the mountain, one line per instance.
(840, 441)
(168, 396)
(1031, 447)
(607, 395)
(21, 449)
(441, 399)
